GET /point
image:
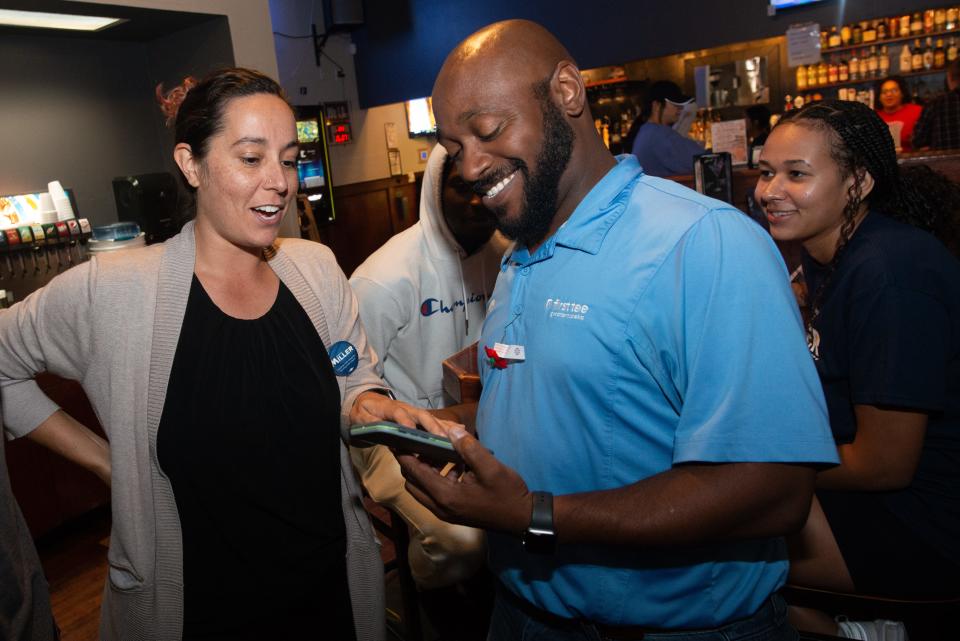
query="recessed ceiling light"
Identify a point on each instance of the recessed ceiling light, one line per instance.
(39, 20)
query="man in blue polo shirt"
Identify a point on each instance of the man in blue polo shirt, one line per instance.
(655, 416)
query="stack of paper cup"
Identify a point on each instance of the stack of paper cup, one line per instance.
(48, 213)
(61, 201)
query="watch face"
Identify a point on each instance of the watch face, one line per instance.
(539, 542)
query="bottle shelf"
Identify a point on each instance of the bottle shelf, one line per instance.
(889, 41)
(870, 81)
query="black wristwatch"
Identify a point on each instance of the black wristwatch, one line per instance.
(383, 391)
(539, 537)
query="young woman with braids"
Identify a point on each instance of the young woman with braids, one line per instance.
(880, 246)
(208, 359)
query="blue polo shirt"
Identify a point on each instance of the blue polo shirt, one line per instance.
(659, 329)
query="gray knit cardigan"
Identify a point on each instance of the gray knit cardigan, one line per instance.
(113, 324)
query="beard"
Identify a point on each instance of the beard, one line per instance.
(540, 187)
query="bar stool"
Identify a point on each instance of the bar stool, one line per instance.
(391, 526)
(925, 620)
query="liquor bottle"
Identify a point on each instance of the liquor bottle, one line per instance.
(893, 26)
(824, 39)
(952, 50)
(843, 71)
(929, 20)
(864, 64)
(881, 30)
(833, 73)
(801, 78)
(905, 26)
(854, 66)
(869, 32)
(906, 58)
(873, 62)
(940, 19)
(857, 34)
(939, 55)
(916, 60)
(928, 55)
(846, 35)
(833, 40)
(951, 19)
(883, 62)
(842, 93)
(916, 24)
(811, 75)
(822, 73)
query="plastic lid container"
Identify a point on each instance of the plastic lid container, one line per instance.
(95, 246)
(116, 231)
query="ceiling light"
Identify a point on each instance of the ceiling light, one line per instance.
(41, 20)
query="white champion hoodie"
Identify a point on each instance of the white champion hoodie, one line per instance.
(421, 299)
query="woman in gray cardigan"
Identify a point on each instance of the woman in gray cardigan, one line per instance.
(201, 342)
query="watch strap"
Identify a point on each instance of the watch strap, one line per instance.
(539, 537)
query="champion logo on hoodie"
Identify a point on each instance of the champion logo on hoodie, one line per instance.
(432, 306)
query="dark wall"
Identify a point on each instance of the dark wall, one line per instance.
(404, 42)
(82, 110)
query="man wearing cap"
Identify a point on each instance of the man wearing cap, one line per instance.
(650, 421)
(661, 150)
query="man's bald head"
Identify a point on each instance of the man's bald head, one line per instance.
(521, 47)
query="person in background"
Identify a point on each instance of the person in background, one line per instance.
(223, 365)
(880, 261)
(423, 297)
(758, 124)
(630, 485)
(659, 148)
(895, 106)
(939, 125)
(25, 613)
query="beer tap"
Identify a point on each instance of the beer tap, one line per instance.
(75, 237)
(50, 234)
(63, 233)
(39, 244)
(27, 242)
(3, 249)
(86, 231)
(13, 243)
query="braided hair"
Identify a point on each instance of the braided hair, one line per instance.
(860, 142)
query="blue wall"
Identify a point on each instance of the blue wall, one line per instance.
(403, 44)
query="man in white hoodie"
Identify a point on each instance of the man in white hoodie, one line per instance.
(423, 297)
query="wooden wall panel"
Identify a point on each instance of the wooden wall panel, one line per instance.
(368, 214)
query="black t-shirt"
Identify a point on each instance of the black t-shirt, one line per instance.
(249, 438)
(889, 330)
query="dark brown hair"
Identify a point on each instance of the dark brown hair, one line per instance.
(195, 108)
(860, 141)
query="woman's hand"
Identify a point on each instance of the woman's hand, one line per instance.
(371, 406)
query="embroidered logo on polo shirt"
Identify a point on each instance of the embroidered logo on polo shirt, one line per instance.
(557, 308)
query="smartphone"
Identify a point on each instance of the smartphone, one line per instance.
(406, 440)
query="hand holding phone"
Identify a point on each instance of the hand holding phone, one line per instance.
(406, 440)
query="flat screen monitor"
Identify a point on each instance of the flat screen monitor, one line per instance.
(785, 4)
(308, 131)
(420, 120)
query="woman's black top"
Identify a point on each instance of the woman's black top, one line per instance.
(889, 331)
(249, 438)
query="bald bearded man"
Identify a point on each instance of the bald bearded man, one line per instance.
(654, 413)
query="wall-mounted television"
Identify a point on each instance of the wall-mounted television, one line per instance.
(308, 130)
(786, 4)
(420, 120)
